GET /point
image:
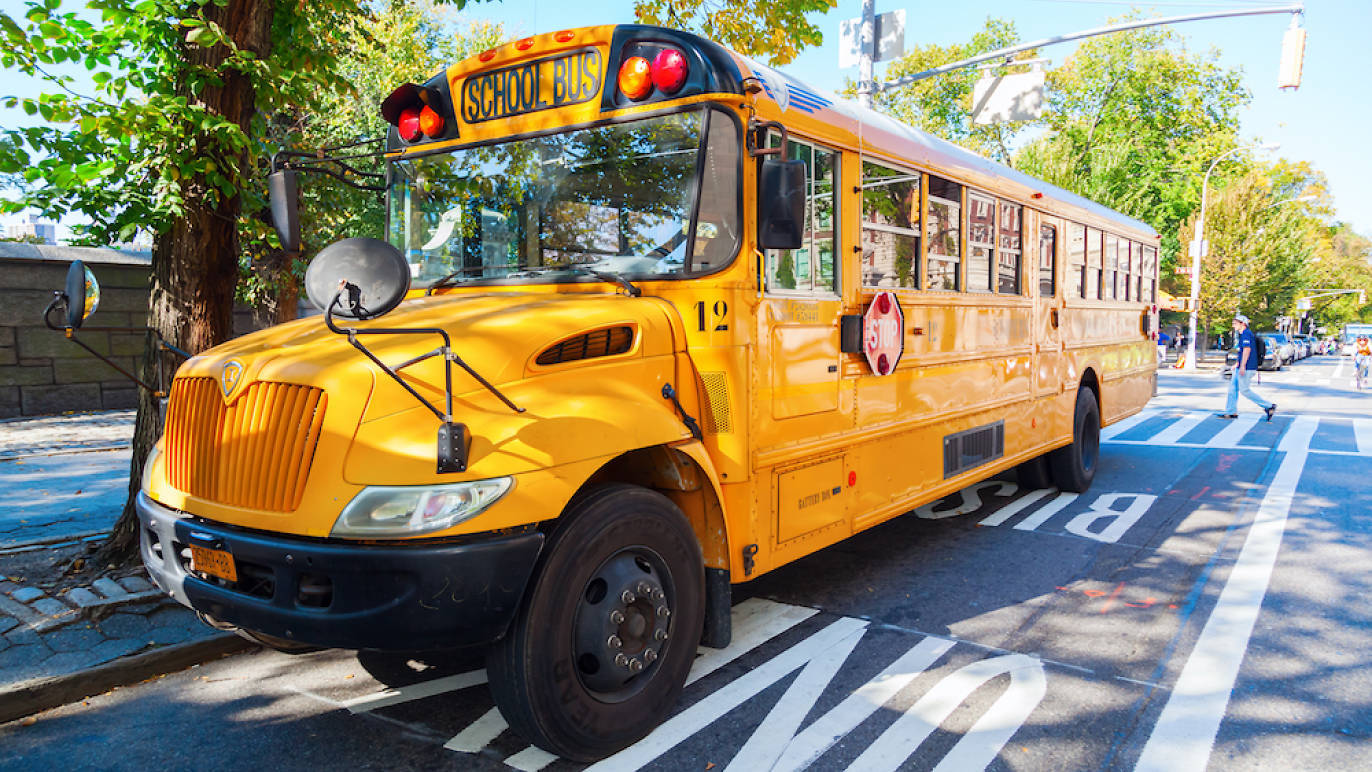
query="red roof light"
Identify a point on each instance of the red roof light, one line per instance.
(408, 125)
(669, 70)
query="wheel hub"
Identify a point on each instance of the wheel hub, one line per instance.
(622, 624)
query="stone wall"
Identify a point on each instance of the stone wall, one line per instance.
(41, 372)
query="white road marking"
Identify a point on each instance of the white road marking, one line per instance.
(1048, 510)
(1177, 429)
(531, 759)
(479, 733)
(1120, 520)
(756, 621)
(820, 736)
(1120, 427)
(713, 707)
(767, 742)
(1230, 435)
(982, 743)
(970, 497)
(1185, 732)
(1015, 507)
(1362, 433)
(416, 691)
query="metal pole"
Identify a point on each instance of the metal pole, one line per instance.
(1004, 52)
(1200, 250)
(866, 50)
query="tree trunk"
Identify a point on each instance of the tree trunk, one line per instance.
(195, 263)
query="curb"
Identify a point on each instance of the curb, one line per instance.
(39, 694)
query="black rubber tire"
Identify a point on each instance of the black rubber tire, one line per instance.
(1035, 473)
(539, 672)
(1074, 465)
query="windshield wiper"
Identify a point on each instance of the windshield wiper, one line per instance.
(609, 276)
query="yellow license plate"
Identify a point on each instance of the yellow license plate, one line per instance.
(213, 562)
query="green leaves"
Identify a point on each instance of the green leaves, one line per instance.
(774, 29)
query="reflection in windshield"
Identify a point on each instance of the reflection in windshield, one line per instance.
(615, 199)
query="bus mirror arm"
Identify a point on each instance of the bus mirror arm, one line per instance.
(454, 439)
(61, 302)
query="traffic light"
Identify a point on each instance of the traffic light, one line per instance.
(1292, 56)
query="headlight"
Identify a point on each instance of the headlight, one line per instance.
(391, 511)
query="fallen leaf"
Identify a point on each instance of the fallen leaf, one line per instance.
(28, 721)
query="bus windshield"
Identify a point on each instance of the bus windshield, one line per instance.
(612, 199)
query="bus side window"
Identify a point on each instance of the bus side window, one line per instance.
(812, 267)
(890, 227)
(1048, 260)
(981, 242)
(1111, 267)
(1011, 233)
(1076, 260)
(942, 233)
(1127, 258)
(1093, 266)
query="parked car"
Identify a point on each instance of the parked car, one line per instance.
(1272, 361)
(1305, 345)
(1286, 347)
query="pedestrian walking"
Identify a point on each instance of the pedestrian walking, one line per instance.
(1247, 346)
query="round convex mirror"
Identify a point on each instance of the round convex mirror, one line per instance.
(376, 269)
(83, 294)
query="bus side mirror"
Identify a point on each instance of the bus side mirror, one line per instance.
(83, 294)
(371, 275)
(283, 187)
(781, 204)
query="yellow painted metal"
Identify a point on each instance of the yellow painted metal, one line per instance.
(786, 414)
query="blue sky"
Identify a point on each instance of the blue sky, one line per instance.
(1323, 122)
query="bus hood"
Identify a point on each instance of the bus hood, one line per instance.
(317, 419)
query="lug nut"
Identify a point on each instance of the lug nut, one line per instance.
(644, 588)
(660, 635)
(663, 611)
(615, 643)
(621, 660)
(650, 655)
(635, 665)
(617, 617)
(627, 597)
(657, 595)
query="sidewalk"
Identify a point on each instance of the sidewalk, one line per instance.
(63, 481)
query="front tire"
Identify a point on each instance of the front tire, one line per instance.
(599, 652)
(1074, 465)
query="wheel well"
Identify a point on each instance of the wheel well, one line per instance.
(1089, 381)
(678, 477)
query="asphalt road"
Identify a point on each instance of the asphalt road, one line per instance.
(1206, 604)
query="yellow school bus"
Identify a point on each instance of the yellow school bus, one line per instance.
(649, 319)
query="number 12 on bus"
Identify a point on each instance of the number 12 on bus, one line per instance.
(623, 346)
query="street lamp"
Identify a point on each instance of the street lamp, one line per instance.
(1198, 247)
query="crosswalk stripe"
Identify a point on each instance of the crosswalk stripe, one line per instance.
(1230, 435)
(416, 691)
(1362, 432)
(1015, 507)
(1178, 429)
(756, 621)
(1120, 427)
(479, 733)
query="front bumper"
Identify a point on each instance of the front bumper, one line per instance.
(393, 596)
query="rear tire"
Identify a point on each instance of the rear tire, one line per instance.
(1074, 465)
(1035, 473)
(599, 652)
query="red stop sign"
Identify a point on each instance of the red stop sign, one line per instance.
(883, 333)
